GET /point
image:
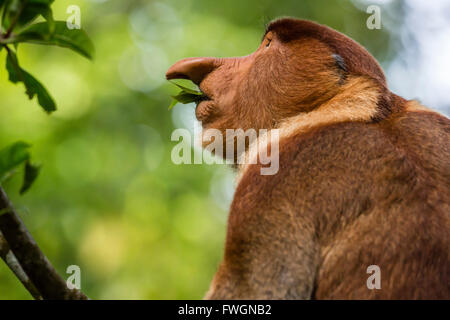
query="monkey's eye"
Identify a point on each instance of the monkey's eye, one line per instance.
(268, 43)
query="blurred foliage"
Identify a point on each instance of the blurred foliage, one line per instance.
(17, 17)
(13, 156)
(109, 198)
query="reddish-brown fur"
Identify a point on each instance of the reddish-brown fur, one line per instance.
(364, 175)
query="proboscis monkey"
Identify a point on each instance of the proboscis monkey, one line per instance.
(363, 179)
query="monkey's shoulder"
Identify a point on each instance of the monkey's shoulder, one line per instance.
(344, 159)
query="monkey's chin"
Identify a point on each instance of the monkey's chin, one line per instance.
(205, 111)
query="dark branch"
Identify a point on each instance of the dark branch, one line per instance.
(11, 261)
(34, 263)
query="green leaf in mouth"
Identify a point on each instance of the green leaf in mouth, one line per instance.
(186, 95)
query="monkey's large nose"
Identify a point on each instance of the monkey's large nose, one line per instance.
(194, 69)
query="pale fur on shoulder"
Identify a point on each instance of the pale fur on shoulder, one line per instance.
(356, 101)
(416, 106)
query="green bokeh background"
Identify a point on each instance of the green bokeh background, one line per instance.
(109, 198)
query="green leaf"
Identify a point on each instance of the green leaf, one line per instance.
(23, 12)
(33, 9)
(173, 103)
(30, 175)
(41, 33)
(48, 15)
(185, 96)
(187, 90)
(32, 85)
(12, 156)
(11, 9)
(2, 4)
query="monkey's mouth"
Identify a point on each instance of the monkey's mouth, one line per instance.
(202, 98)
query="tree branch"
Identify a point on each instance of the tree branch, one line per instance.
(30, 257)
(11, 261)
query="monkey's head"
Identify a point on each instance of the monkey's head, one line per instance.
(298, 66)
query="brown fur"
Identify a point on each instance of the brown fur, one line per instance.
(364, 175)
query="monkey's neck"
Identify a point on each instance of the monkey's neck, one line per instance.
(358, 100)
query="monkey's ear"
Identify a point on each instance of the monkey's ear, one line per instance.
(340, 63)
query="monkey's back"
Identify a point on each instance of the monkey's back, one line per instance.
(380, 196)
(348, 196)
(376, 194)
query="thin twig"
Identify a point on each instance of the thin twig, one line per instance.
(11, 261)
(15, 19)
(34, 263)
